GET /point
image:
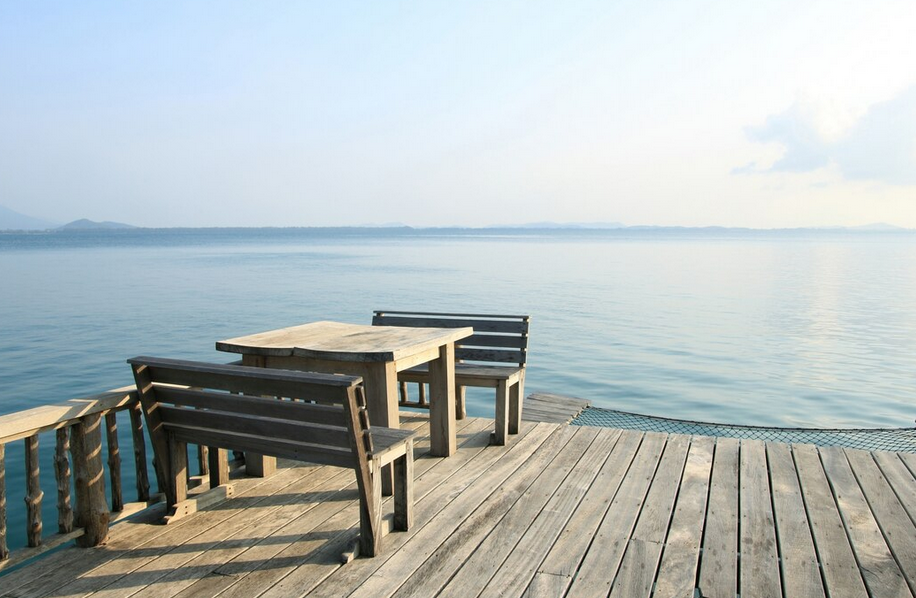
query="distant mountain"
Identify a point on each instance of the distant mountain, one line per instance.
(563, 225)
(10, 220)
(84, 224)
(878, 226)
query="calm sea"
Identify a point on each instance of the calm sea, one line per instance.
(771, 328)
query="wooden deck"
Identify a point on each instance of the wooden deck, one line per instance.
(562, 510)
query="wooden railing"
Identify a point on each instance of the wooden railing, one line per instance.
(77, 425)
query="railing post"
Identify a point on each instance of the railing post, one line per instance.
(136, 429)
(62, 473)
(4, 550)
(34, 494)
(114, 461)
(91, 509)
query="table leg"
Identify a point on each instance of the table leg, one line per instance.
(442, 425)
(381, 382)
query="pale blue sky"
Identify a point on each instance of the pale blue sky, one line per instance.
(766, 114)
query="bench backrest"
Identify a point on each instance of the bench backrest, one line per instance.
(496, 338)
(319, 418)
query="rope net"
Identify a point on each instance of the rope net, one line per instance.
(901, 440)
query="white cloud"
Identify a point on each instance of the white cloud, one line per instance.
(879, 146)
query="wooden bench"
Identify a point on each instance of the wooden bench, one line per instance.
(494, 357)
(318, 418)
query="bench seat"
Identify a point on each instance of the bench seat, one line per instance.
(304, 416)
(495, 356)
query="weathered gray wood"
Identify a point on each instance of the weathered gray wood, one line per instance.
(403, 469)
(4, 547)
(62, 476)
(22, 424)
(896, 526)
(759, 557)
(505, 343)
(114, 462)
(563, 559)
(337, 341)
(373, 352)
(203, 460)
(348, 443)
(34, 493)
(550, 407)
(879, 569)
(244, 380)
(242, 423)
(481, 323)
(139, 444)
(900, 478)
(285, 540)
(441, 402)
(178, 471)
(838, 564)
(299, 566)
(218, 466)
(719, 567)
(472, 572)
(516, 572)
(462, 520)
(320, 413)
(677, 571)
(801, 575)
(601, 562)
(643, 552)
(92, 512)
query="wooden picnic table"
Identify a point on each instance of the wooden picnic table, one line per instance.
(377, 353)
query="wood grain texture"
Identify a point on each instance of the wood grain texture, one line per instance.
(880, 571)
(896, 526)
(759, 557)
(840, 571)
(337, 341)
(524, 519)
(719, 568)
(798, 560)
(599, 567)
(677, 572)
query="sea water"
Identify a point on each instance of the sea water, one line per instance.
(783, 328)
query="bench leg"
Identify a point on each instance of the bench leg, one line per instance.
(516, 397)
(460, 410)
(219, 466)
(502, 413)
(178, 471)
(370, 516)
(403, 490)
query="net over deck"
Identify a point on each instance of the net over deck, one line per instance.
(901, 440)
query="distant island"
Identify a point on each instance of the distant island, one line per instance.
(85, 224)
(11, 221)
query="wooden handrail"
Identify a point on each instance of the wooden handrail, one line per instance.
(22, 424)
(79, 424)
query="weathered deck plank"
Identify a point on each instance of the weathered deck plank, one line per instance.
(881, 573)
(719, 568)
(563, 557)
(559, 511)
(599, 567)
(677, 572)
(841, 574)
(800, 574)
(644, 550)
(519, 568)
(759, 564)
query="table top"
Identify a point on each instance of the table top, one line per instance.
(343, 342)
